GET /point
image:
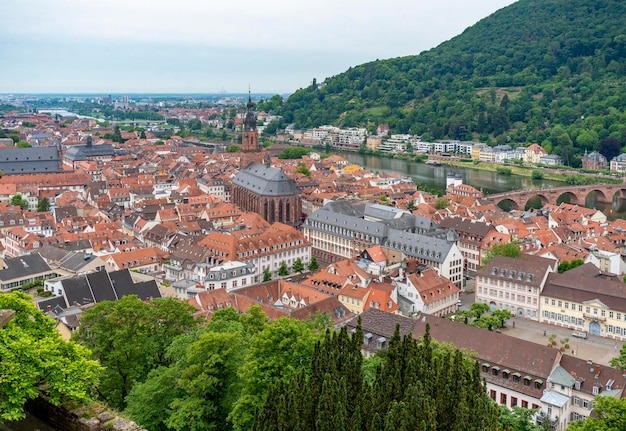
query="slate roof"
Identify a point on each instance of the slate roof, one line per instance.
(466, 225)
(74, 261)
(18, 267)
(265, 181)
(526, 269)
(419, 246)
(586, 283)
(83, 152)
(29, 160)
(106, 286)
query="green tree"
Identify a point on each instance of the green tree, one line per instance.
(302, 169)
(298, 266)
(442, 203)
(35, 359)
(567, 265)
(148, 402)
(283, 270)
(130, 337)
(43, 205)
(619, 362)
(210, 383)
(537, 174)
(508, 249)
(267, 275)
(282, 349)
(293, 153)
(610, 416)
(233, 148)
(517, 419)
(313, 265)
(18, 201)
(22, 144)
(479, 308)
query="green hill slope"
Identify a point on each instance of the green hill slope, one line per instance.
(547, 71)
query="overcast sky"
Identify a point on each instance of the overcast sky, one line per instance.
(206, 46)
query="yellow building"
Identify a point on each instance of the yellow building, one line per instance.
(585, 299)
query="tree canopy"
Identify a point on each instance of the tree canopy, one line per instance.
(418, 385)
(35, 359)
(508, 249)
(130, 337)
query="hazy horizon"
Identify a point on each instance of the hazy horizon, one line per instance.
(197, 47)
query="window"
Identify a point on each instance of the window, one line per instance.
(505, 374)
(503, 399)
(513, 401)
(553, 302)
(538, 383)
(492, 394)
(524, 404)
(576, 401)
(535, 406)
(516, 377)
(527, 381)
(546, 301)
(494, 371)
(586, 404)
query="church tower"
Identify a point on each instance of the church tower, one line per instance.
(250, 151)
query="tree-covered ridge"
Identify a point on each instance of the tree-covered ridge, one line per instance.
(542, 71)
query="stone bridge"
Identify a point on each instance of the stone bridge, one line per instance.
(576, 194)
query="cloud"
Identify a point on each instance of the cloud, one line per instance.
(296, 39)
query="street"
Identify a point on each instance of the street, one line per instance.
(599, 349)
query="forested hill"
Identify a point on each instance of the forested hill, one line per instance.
(529, 72)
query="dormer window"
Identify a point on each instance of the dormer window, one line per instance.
(366, 338)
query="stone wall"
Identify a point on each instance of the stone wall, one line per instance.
(84, 418)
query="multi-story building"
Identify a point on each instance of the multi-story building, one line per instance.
(512, 284)
(427, 292)
(618, 163)
(343, 229)
(229, 276)
(279, 243)
(594, 160)
(585, 299)
(471, 235)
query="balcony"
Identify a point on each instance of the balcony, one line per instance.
(590, 316)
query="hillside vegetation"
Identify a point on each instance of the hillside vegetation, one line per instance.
(546, 71)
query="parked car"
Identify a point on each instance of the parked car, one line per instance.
(459, 303)
(579, 334)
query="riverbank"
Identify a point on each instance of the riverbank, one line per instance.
(515, 170)
(569, 177)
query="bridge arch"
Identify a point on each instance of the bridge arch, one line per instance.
(507, 204)
(620, 193)
(594, 194)
(542, 201)
(567, 197)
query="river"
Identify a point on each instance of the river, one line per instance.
(487, 181)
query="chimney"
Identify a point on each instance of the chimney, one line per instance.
(89, 141)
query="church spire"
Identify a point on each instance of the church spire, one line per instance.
(249, 123)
